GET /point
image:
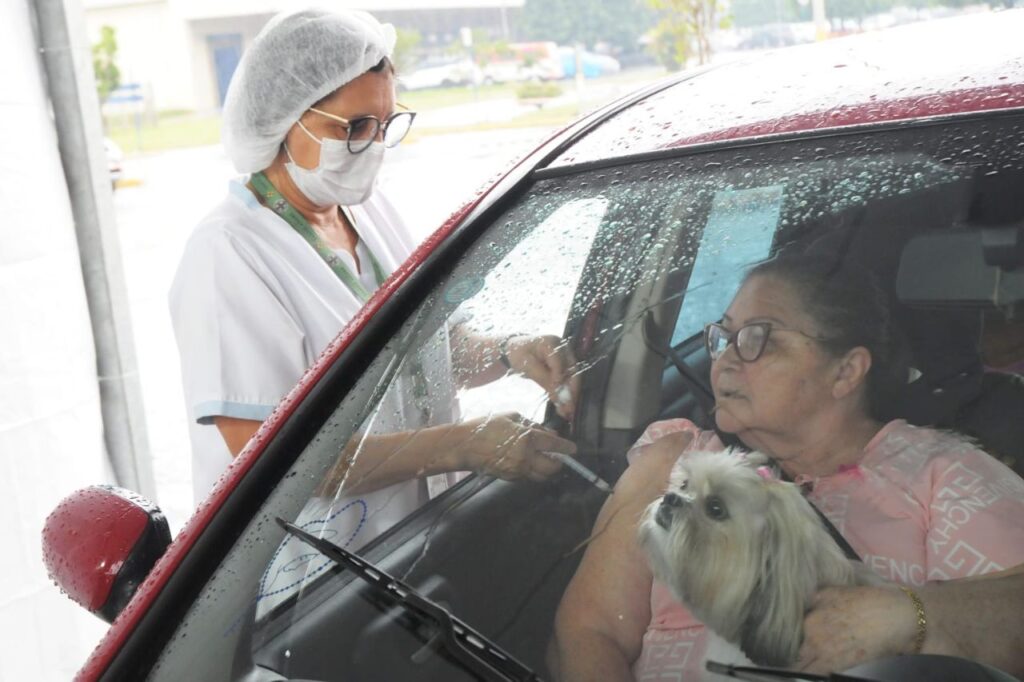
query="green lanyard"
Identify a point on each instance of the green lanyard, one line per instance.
(283, 208)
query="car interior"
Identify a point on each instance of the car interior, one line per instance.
(669, 245)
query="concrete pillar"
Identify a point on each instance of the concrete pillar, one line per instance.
(67, 62)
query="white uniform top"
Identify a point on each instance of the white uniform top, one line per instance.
(253, 306)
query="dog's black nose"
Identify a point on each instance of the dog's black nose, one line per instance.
(672, 500)
(669, 503)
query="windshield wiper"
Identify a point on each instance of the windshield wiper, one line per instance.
(473, 650)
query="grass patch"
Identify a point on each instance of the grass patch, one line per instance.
(178, 132)
(531, 90)
(552, 117)
(170, 131)
(180, 129)
(438, 98)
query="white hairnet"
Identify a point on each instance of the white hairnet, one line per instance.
(297, 59)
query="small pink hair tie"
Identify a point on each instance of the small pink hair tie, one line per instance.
(852, 469)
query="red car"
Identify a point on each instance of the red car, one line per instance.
(624, 233)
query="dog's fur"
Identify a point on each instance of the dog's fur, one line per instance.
(750, 574)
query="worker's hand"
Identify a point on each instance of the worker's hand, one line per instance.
(509, 447)
(548, 361)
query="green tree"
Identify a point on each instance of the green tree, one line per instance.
(684, 30)
(856, 10)
(620, 23)
(104, 54)
(404, 54)
(484, 49)
(748, 13)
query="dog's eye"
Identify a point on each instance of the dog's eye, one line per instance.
(685, 482)
(714, 507)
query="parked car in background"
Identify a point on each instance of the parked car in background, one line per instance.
(623, 234)
(525, 61)
(441, 72)
(511, 71)
(592, 64)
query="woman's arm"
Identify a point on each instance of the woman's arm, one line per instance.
(506, 446)
(974, 521)
(545, 360)
(475, 358)
(601, 621)
(236, 432)
(978, 618)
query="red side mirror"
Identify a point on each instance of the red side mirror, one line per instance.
(100, 543)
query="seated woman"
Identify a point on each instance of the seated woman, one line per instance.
(802, 368)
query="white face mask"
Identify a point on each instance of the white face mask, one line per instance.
(341, 178)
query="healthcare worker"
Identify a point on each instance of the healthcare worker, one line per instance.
(273, 273)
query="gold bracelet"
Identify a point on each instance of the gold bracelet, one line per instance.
(922, 622)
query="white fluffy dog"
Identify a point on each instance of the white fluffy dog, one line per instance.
(744, 552)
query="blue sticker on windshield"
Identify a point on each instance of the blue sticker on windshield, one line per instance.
(463, 290)
(295, 565)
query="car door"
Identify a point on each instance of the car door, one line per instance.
(625, 260)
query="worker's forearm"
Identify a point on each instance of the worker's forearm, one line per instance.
(372, 462)
(475, 358)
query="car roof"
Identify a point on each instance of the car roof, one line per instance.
(943, 67)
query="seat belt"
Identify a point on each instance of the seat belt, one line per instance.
(850, 553)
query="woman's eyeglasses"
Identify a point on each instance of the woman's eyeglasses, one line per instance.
(362, 131)
(749, 340)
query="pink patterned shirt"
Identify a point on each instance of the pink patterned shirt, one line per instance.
(922, 505)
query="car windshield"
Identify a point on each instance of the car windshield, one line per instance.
(621, 263)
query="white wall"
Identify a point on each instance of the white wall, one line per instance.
(153, 48)
(51, 437)
(204, 77)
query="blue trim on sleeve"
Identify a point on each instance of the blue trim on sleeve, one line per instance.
(238, 189)
(205, 412)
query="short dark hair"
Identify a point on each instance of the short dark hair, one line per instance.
(380, 66)
(384, 63)
(850, 309)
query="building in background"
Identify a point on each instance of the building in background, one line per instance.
(181, 53)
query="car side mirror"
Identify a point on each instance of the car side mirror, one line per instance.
(100, 543)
